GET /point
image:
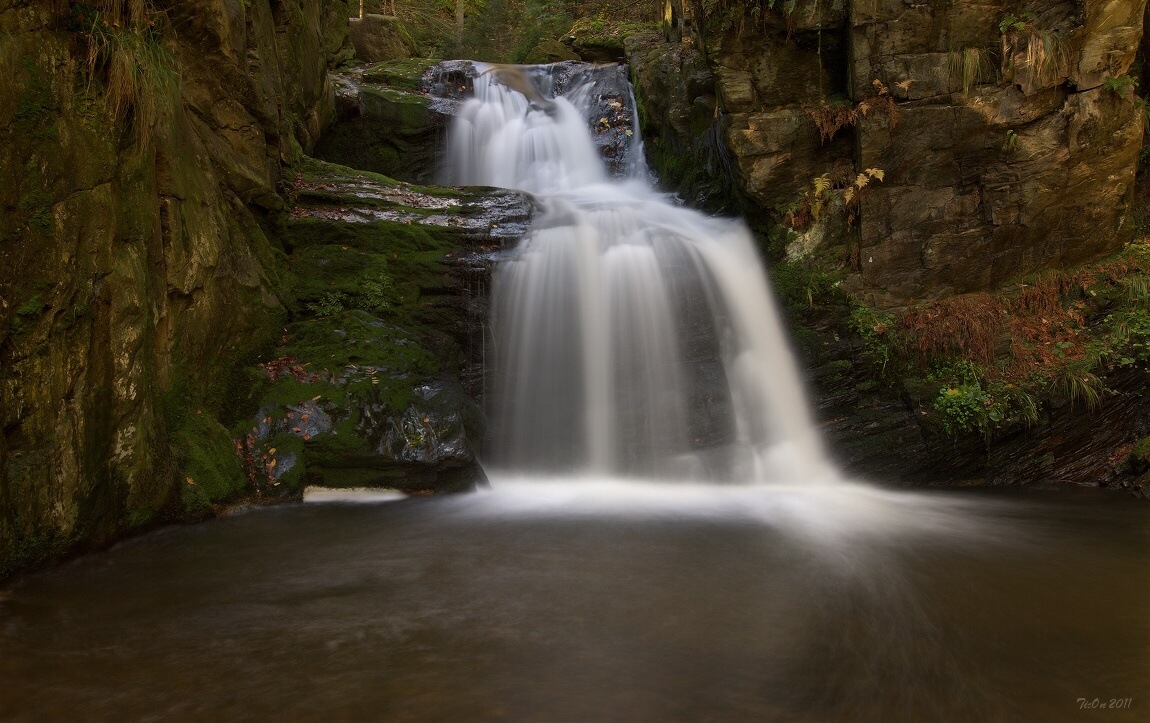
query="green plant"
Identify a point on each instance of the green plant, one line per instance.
(970, 400)
(1081, 386)
(1011, 142)
(1137, 289)
(1121, 86)
(971, 65)
(328, 304)
(378, 295)
(128, 56)
(874, 326)
(1015, 23)
(963, 408)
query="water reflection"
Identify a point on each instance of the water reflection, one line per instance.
(591, 601)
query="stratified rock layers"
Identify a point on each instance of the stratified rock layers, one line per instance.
(1006, 133)
(136, 265)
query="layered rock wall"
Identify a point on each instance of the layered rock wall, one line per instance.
(1007, 132)
(136, 267)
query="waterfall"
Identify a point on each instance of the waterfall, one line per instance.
(632, 336)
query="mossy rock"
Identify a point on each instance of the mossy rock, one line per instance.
(362, 388)
(380, 37)
(1140, 453)
(549, 51)
(352, 401)
(402, 74)
(396, 133)
(601, 40)
(211, 469)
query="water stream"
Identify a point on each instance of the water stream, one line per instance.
(663, 540)
(633, 336)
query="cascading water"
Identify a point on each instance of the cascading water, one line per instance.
(633, 336)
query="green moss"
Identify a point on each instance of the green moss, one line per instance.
(1140, 452)
(404, 74)
(34, 110)
(201, 449)
(355, 338)
(26, 314)
(405, 113)
(138, 519)
(27, 552)
(211, 470)
(602, 34)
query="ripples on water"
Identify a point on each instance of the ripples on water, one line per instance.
(596, 600)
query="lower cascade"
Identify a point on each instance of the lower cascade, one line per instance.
(632, 336)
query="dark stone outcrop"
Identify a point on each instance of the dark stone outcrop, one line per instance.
(885, 430)
(393, 115)
(1008, 133)
(136, 266)
(380, 37)
(378, 379)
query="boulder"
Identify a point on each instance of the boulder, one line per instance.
(388, 123)
(549, 51)
(380, 37)
(378, 379)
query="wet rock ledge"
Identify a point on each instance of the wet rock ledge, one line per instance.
(377, 380)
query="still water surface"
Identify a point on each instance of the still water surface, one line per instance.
(601, 601)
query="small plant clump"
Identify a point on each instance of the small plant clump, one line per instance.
(813, 203)
(1122, 86)
(997, 358)
(128, 57)
(972, 66)
(831, 117)
(1034, 55)
(882, 102)
(1011, 143)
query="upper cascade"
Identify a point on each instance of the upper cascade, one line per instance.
(545, 128)
(632, 336)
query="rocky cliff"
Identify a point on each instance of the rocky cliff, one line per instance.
(900, 160)
(143, 147)
(1007, 133)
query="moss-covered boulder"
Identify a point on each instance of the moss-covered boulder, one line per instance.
(376, 381)
(550, 51)
(389, 123)
(600, 39)
(380, 37)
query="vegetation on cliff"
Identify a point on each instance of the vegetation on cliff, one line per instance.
(139, 267)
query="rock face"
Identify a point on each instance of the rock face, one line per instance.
(380, 37)
(1008, 133)
(377, 379)
(136, 267)
(388, 120)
